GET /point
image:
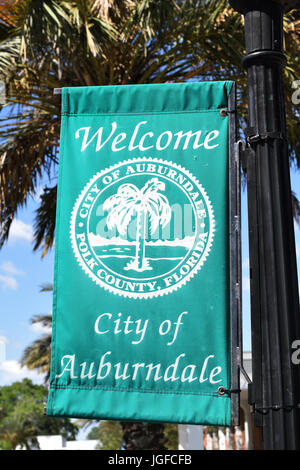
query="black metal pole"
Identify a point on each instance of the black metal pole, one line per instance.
(275, 316)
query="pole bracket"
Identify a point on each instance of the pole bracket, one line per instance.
(264, 410)
(254, 137)
(228, 391)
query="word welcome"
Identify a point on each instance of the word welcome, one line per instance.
(145, 141)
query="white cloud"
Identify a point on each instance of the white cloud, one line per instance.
(11, 371)
(19, 230)
(8, 282)
(9, 268)
(8, 275)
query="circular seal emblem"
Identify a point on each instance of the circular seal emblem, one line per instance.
(142, 228)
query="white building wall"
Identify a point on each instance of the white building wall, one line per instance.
(59, 443)
(190, 437)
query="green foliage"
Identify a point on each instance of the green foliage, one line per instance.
(171, 435)
(109, 433)
(22, 416)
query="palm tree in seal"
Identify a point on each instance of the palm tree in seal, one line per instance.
(148, 204)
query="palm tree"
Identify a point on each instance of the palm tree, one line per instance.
(145, 203)
(37, 355)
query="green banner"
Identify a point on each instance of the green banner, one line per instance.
(141, 323)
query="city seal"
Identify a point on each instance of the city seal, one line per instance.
(142, 228)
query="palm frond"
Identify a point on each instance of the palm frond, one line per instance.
(26, 153)
(9, 55)
(296, 208)
(37, 356)
(44, 320)
(48, 287)
(44, 227)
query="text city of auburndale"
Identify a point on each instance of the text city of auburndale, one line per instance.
(204, 372)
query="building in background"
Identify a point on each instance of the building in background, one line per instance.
(59, 443)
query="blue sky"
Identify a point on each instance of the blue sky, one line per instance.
(22, 272)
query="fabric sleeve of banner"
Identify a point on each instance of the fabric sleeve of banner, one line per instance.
(141, 321)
